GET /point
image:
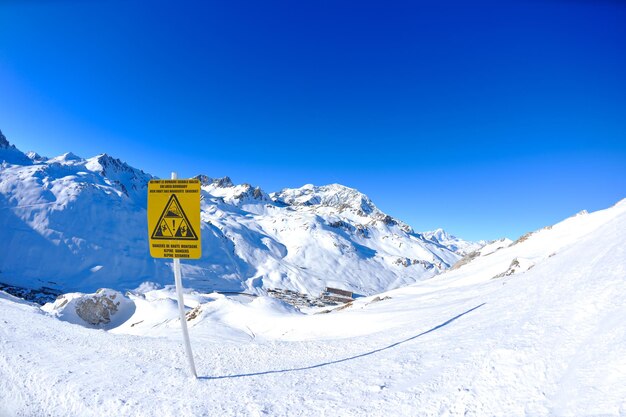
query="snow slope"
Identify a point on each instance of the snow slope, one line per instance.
(546, 339)
(79, 224)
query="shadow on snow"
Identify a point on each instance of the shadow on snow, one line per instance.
(305, 368)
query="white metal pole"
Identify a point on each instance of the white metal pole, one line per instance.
(181, 308)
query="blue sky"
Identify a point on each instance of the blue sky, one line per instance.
(488, 119)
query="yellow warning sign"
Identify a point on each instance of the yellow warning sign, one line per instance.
(174, 218)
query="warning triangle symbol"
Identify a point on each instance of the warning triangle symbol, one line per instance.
(173, 223)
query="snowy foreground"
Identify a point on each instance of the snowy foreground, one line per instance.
(536, 328)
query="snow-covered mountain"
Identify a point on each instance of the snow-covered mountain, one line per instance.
(455, 244)
(534, 328)
(79, 224)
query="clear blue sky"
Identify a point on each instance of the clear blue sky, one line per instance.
(485, 118)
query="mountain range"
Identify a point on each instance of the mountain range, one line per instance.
(75, 224)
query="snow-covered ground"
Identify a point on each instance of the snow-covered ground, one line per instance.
(532, 329)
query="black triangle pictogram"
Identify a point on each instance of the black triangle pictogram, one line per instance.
(173, 223)
(184, 230)
(162, 231)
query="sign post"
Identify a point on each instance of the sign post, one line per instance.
(174, 232)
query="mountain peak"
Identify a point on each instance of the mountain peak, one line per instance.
(68, 158)
(35, 157)
(4, 143)
(224, 182)
(439, 235)
(331, 195)
(130, 181)
(105, 162)
(455, 244)
(10, 154)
